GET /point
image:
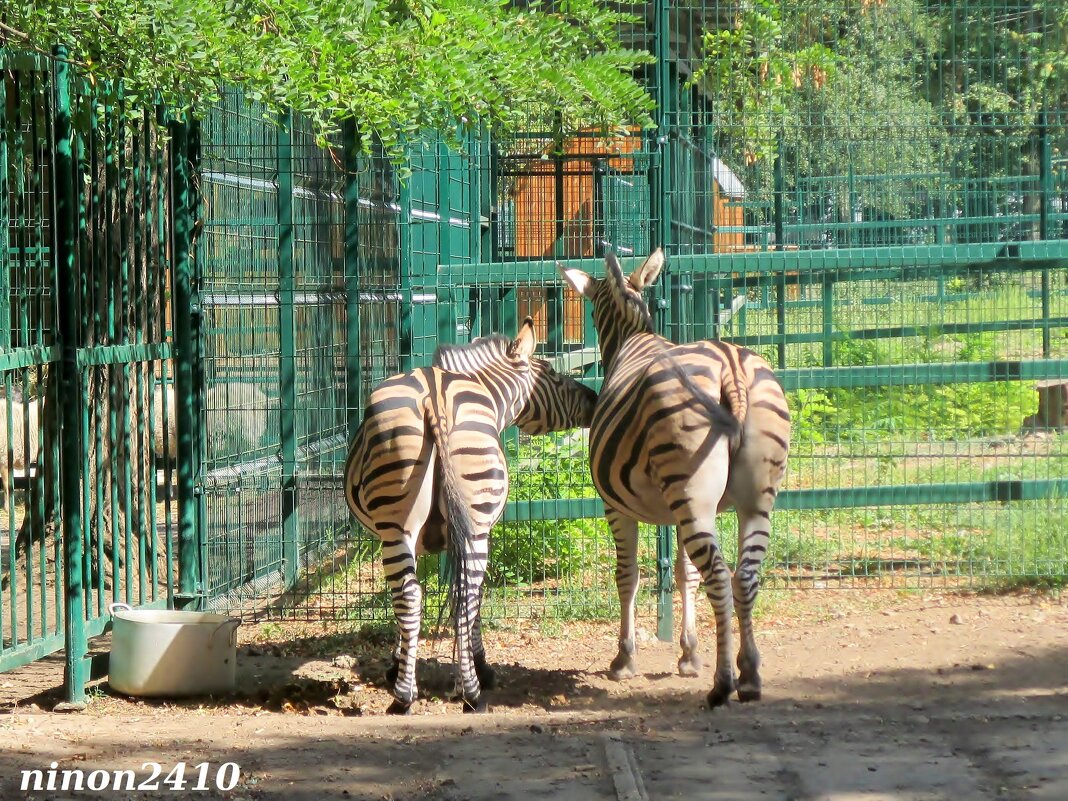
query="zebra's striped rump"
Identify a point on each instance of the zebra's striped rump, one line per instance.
(680, 433)
(426, 471)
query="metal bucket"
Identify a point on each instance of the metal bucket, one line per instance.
(169, 653)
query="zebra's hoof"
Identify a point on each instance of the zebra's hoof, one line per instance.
(479, 706)
(622, 668)
(690, 667)
(745, 696)
(399, 708)
(719, 696)
(487, 676)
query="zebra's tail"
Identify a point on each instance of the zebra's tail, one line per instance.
(723, 421)
(459, 529)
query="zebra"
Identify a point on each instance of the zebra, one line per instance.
(680, 433)
(426, 472)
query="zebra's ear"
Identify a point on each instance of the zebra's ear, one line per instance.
(644, 275)
(581, 282)
(525, 341)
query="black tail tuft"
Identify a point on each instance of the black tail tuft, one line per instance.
(459, 529)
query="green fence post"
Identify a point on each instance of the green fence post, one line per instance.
(189, 576)
(353, 355)
(287, 359)
(404, 278)
(197, 351)
(1045, 173)
(76, 668)
(5, 215)
(660, 187)
(780, 235)
(828, 319)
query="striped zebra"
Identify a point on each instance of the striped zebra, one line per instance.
(426, 472)
(680, 433)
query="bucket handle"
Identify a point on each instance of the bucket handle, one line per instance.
(118, 607)
(232, 621)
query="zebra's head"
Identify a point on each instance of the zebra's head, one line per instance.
(619, 310)
(557, 402)
(533, 395)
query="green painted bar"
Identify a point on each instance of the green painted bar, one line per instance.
(828, 333)
(404, 234)
(29, 356)
(916, 260)
(829, 498)
(662, 182)
(353, 357)
(5, 214)
(883, 375)
(921, 494)
(66, 226)
(941, 329)
(779, 201)
(124, 354)
(287, 366)
(189, 534)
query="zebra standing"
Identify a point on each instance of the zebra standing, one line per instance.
(680, 433)
(426, 472)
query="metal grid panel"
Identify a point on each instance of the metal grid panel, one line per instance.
(84, 212)
(912, 369)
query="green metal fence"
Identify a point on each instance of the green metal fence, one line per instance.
(873, 195)
(902, 262)
(896, 246)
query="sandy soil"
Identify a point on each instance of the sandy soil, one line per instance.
(866, 696)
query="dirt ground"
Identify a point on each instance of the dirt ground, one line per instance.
(866, 697)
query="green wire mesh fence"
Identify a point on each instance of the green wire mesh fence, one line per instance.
(873, 195)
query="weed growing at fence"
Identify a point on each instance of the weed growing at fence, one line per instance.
(548, 468)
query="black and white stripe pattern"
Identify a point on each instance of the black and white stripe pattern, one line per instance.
(426, 472)
(680, 433)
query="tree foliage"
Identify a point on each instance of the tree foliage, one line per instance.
(887, 87)
(397, 67)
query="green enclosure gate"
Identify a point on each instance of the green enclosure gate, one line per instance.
(896, 247)
(88, 246)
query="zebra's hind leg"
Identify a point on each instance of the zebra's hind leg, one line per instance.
(407, 607)
(695, 502)
(687, 577)
(394, 668)
(625, 533)
(753, 535)
(704, 550)
(487, 677)
(468, 642)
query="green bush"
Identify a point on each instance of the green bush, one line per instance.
(932, 411)
(552, 467)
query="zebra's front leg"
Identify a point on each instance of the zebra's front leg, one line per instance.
(687, 577)
(407, 607)
(625, 534)
(469, 643)
(753, 535)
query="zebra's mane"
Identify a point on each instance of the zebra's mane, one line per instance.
(620, 287)
(474, 355)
